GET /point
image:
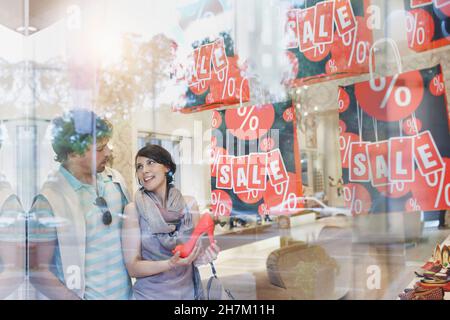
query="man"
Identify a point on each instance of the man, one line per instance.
(75, 235)
(12, 240)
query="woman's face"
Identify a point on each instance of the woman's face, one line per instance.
(152, 175)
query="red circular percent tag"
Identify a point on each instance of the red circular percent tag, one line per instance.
(266, 144)
(251, 197)
(437, 86)
(411, 126)
(216, 152)
(345, 141)
(249, 123)
(391, 98)
(221, 203)
(343, 100)
(395, 190)
(432, 192)
(274, 195)
(419, 29)
(357, 199)
(350, 52)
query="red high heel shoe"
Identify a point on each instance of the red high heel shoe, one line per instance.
(205, 225)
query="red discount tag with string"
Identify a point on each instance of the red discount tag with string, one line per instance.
(219, 56)
(324, 23)
(240, 174)
(378, 162)
(344, 17)
(401, 159)
(305, 28)
(391, 98)
(257, 171)
(224, 173)
(427, 155)
(359, 162)
(276, 169)
(221, 203)
(204, 62)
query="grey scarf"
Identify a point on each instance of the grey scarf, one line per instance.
(173, 224)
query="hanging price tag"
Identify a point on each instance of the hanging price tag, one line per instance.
(306, 29)
(224, 172)
(378, 162)
(427, 155)
(240, 174)
(276, 169)
(401, 159)
(324, 23)
(344, 17)
(257, 171)
(359, 163)
(220, 60)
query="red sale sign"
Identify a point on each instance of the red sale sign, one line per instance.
(405, 164)
(344, 17)
(333, 40)
(256, 159)
(378, 162)
(359, 162)
(427, 155)
(323, 23)
(401, 159)
(212, 77)
(306, 29)
(427, 24)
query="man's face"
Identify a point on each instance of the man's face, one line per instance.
(102, 152)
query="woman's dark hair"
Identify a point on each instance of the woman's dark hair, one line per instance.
(161, 156)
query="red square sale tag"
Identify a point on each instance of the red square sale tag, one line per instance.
(240, 174)
(401, 159)
(323, 23)
(291, 29)
(257, 171)
(358, 162)
(344, 17)
(204, 62)
(224, 172)
(378, 162)
(219, 56)
(275, 168)
(305, 19)
(427, 155)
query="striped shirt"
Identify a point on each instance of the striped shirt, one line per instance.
(106, 276)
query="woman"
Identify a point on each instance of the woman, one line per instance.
(159, 219)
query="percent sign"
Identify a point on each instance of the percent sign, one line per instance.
(438, 86)
(250, 118)
(356, 205)
(439, 180)
(414, 204)
(230, 84)
(359, 49)
(391, 98)
(417, 33)
(222, 205)
(345, 141)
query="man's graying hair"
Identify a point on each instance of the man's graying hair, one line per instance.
(74, 132)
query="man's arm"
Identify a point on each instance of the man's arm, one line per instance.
(42, 245)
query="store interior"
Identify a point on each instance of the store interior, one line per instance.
(115, 58)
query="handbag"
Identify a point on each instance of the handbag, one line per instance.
(215, 289)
